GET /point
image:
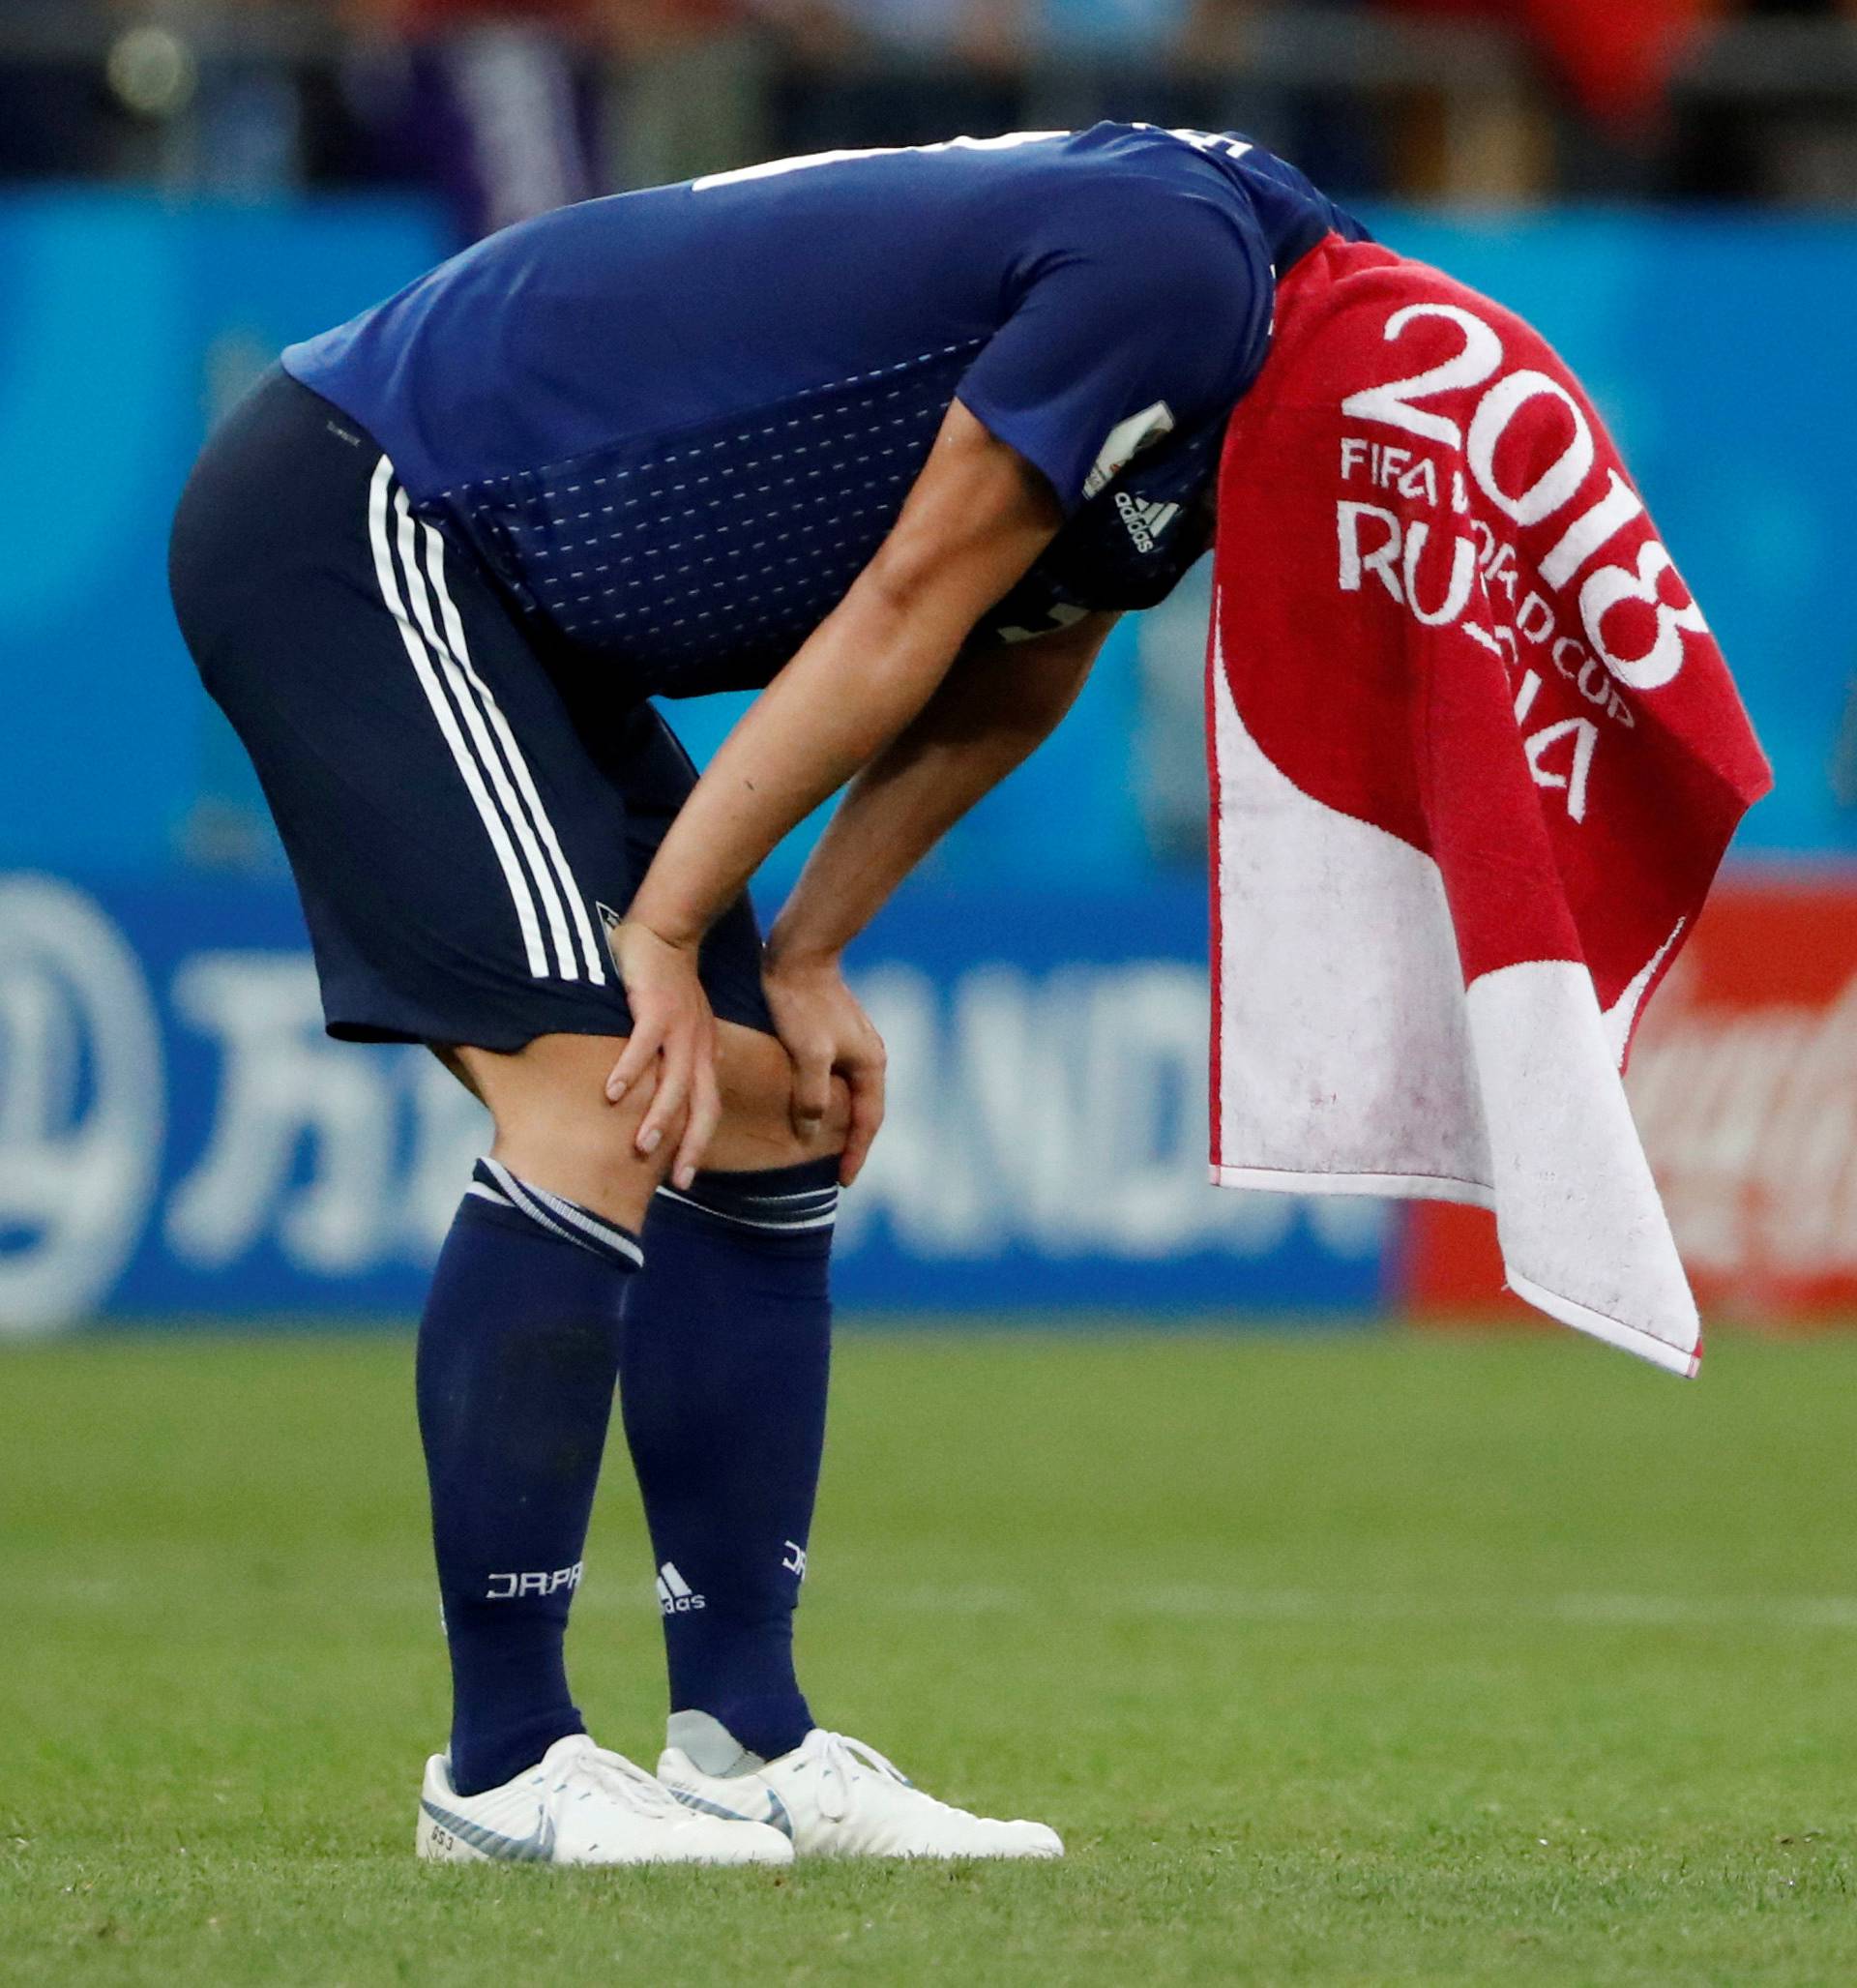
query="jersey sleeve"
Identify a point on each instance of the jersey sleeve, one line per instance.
(1149, 314)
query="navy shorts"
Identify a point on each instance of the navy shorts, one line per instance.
(465, 806)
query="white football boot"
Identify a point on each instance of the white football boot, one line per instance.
(581, 1805)
(833, 1796)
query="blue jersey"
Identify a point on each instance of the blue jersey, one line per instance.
(675, 424)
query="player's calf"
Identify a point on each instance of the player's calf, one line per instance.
(724, 1390)
(519, 1354)
(539, 1302)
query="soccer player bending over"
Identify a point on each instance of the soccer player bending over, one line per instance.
(890, 438)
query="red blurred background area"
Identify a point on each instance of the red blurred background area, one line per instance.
(1614, 56)
(1744, 1085)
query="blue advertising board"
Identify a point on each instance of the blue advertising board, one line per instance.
(179, 1138)
(1713, 343)
(127, 324)
(176, 1136)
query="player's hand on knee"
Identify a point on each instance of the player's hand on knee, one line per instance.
(672, 1023)
(826, 1033)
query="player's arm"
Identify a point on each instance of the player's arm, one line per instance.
(976, 519)
(993, 709)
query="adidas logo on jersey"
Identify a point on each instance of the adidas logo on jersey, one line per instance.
(1145, 521)
(674, 1597)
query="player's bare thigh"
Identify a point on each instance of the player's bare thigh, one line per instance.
(555, 1128)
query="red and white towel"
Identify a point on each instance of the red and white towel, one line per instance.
(1475, 760)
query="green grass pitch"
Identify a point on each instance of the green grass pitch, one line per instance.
(1335, 1659)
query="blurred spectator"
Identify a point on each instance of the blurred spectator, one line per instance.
(1148, 31)
(504, 108)
(893, 72)
(1341, 138)
(1614, 57)
(491, 103)
(1108, 58)
(1767, 108)
(51, 121)
(689, 84)
(934, 32)
(52, 106)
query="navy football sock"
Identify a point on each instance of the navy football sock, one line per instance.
(519, 1350)
(723, 1386)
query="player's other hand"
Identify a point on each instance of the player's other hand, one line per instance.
(826, 1033)
(671, 1026)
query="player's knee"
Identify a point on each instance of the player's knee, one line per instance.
(758, 1127)
(835, 1128)
(598, 1140)
(556, 1128)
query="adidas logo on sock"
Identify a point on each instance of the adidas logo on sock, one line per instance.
(674, 1597)
(1145, 521)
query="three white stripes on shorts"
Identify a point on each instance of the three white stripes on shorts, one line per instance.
(496, 773)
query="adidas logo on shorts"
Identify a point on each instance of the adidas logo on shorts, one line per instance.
(1145, 521)
(674, 1597)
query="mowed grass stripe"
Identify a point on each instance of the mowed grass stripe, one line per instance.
(1338, 1660)
(1777, 1613)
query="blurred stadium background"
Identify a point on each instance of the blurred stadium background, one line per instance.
(1669, 188)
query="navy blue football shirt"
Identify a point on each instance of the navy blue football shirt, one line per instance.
(677, 424)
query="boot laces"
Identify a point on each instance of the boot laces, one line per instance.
(626, 1783)
(842, 1759)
